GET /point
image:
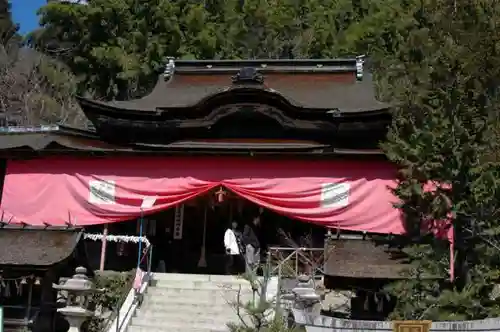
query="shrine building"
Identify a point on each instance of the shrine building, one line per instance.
(293, 141)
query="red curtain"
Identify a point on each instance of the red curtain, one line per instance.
(352, 195)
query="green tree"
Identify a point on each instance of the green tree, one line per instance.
(115, 47)
(8, 30)
(444, 77)
(7, 27)
(246, 30)
(260, 314)
(34, 89)
(199, 32)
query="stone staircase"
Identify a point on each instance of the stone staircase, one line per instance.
(190, 303)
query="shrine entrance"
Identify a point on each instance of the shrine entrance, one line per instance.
(194, 241)
(192, 238)
(189, 238)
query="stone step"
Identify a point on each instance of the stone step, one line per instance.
(154, 326)
(195, 304)
(200, 284)
(178, 319)
(189, 307)
(196, 277)
(158, 303)
(171, 329)
(214, 289)
(190, 303)
(199, 315)
(204, 296)
(152, 310)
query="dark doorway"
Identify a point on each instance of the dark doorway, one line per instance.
(196, 243)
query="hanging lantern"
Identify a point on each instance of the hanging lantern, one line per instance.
(37, 281)
(220, 194)
(23, 281)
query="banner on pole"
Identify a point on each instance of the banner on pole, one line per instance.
(178, 221)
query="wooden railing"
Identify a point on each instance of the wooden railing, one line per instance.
(291, 262)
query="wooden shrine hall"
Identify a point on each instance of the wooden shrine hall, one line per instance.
(299, 138)
(320, 107)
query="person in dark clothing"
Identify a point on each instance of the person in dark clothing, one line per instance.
(169, 256)
(157, 242)
(162, 250)
(252, 245)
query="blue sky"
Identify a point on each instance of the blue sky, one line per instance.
(24, 13)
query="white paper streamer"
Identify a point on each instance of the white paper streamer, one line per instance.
(117, 238)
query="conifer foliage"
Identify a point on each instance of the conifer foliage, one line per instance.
(34, 89)
(8, 30)
(116, 47)
(261, 314)
(445, 79)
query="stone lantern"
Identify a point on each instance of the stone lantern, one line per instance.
(306, 302)
(78, 290)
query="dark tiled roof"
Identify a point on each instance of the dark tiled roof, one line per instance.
(41, 141)
(35, 141)
(350, 97)
(363, 259)
(312, 84)
(36, 246)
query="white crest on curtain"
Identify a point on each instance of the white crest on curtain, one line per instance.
(335, 195)
(102, 192)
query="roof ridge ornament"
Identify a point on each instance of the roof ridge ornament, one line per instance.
(169, 70)
(360, 60)
(248, 75)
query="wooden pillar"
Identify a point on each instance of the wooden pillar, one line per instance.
(203, 260)
(30, 298)
(103, 248)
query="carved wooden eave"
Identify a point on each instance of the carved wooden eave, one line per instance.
(24, 142)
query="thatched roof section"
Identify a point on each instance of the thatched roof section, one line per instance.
(363, 258)
(36, 247)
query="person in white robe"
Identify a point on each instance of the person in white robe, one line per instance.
(232, 244)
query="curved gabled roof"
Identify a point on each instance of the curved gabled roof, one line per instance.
(310, 84)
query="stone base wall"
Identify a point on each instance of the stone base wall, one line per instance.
(321, 323)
